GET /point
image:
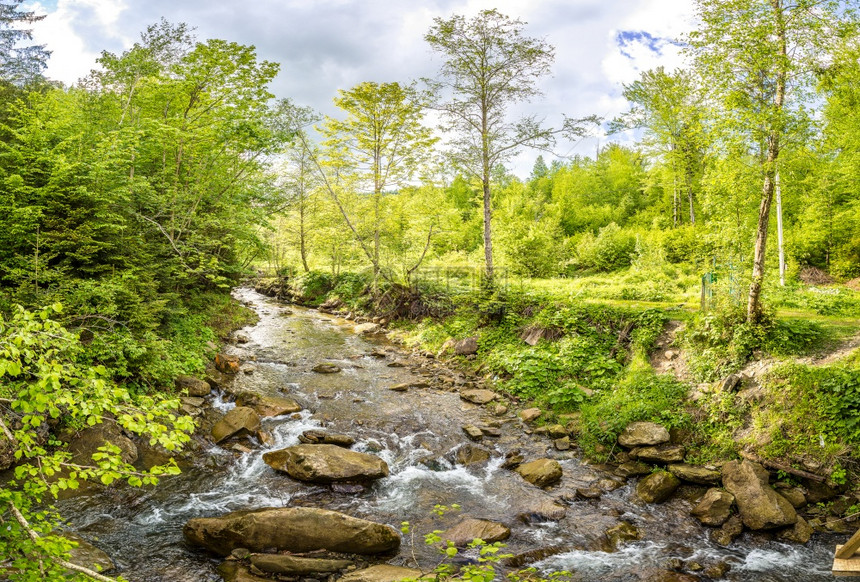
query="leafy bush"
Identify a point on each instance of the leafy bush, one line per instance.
(611, 249)
(311, 287)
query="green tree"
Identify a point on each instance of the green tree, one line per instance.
(759, 59)
(19, 65)
(489, 65)
(380, 145)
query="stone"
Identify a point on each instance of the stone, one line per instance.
(727, 533)
(632, 469)
(242, 338)
(542, 512)
(759, 505)
(542, 472)
(717, 571)
(795, 496)
(657, 487)
(500, 410)
(233, 571)
(513, 459)
(530, 414)
(562, 444)
(798, 533)
(367, 328)
(695, 473)
(399, 387)
(382, 573)
(227, 364)
(588, 493)
(470, 529)
(473, 432)
(293, 565)
(730, 383)
(326, 368)
(326, 464)
(466, 347)
(623, 532)
(85, 443)
(478, 396)
(241, 421)
(555, 431)
(714, 508)
(87, 555)
(660, 454)
(470, 454)
(194, 386)
(638, 434)
(320, 437)
(291, 529)
(267, 406)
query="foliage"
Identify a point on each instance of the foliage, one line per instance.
(45, 385)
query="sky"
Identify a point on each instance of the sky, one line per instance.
(327, 45)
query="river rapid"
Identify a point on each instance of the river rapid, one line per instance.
(417, 432)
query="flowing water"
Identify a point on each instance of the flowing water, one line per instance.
(416, 432)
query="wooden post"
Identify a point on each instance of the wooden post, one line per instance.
(845, 563)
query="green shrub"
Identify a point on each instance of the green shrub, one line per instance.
(611, 249)
(311, 287)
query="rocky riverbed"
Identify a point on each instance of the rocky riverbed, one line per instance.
(318, 420)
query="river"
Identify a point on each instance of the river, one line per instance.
(416, 432)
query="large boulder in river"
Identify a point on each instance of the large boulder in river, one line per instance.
(382, 573)
(268, 405)
(87, 442)
(296, 565)
(470, 529)
(87, 555)
(759, 505)
(241, 421)
(194, 386)
(657, 487)
(326, 464)
(542, 472)
(715, 507)
(291, 529)
(643, 434)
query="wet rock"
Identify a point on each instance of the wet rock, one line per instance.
(326, 464)
(717, 571)
(500, 410)
(294, 565)
(798, 533)
(632, 469)
(87, 555)
(660, 454)
(381, 573)
(399, 387)
(668, 576)
(466, 347)
(478, 396)
(227, 364)
(320, 437)
(473, 432)
(470, 454)
(530, 414)
(607, 485)
(396, 365)
(695, 473)
(194, 386)
(588, 493)
(727, 533)
(623, 532)
(715, 508)
(491, 431)
(759, 505)
(638, 434)
(562, 444)
(657, 487)
(326, 368)
(241, 421)
(513, 459)
(292, 529)
(542, 472)
(470, 529)
(795, 496)
(348, 488)
(555, 431)
(536, 555)
(232, 571)
(268, 406)
(367, 328)
(818, 492)
(85, 443)
(242, 338)
(543, 511)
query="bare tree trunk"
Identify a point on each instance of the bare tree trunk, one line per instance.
(485, 180)
(779, 231)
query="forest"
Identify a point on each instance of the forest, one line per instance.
(726, 198)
